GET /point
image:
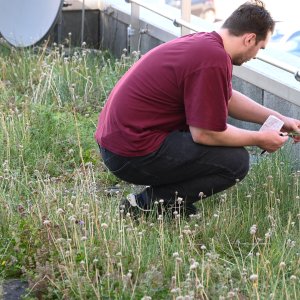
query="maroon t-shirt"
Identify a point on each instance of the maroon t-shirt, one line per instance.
(181, 83)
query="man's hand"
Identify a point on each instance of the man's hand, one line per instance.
(272, 140)
(292, 126)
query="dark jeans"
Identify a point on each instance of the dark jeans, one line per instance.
(181, 168)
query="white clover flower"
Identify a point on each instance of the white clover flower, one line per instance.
(175, 254)
(59, 211)
(129, 274)
(179, 200)
(203, 247)
(291, 243)
(70, 205)
(253, 277)
(268, 234)
(231, 294)
(104, 226)
(293, 278)
(194, 265)
(46, 222)
(72, 218)
(187, 231)
(199, 285)
(84, 238)
(178, 259)
(253, 229)
(161, 201)
(282, 265)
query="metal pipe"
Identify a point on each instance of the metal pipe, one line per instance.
(151, 8)
(82, 21)
(180, 22)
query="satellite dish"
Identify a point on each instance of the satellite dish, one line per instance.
(26, 22)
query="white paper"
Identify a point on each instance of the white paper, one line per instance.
(272, 123)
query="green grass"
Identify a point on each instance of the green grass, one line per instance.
(60, 230)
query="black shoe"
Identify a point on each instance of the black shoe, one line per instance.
(190, 210)
(130, 206)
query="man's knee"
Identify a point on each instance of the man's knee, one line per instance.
(241, 163)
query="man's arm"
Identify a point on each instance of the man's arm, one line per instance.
(243, 108)
(236, 137)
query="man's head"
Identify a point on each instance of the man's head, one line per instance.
(253, 25)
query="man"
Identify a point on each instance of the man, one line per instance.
(165, 122)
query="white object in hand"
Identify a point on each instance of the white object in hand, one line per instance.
(272, 123)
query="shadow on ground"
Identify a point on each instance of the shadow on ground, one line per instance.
(13, 289)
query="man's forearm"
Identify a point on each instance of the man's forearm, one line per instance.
(237, 137)
(231, 137)
(243, 108)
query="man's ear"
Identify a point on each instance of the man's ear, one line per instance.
(249, 39)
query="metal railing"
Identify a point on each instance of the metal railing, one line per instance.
(180, 22)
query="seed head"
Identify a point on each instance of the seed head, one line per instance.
(253, 229)
(59, 211)
(104, 226)
(282, 265)
(194, 265)
(293, 278)
(253, 277)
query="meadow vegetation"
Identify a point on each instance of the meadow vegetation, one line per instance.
(60, 228)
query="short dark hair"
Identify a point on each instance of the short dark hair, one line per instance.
(250, 17)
